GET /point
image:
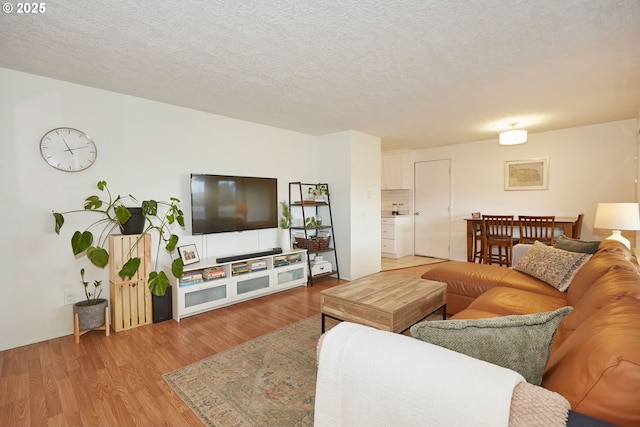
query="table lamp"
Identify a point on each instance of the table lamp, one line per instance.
(618, 217)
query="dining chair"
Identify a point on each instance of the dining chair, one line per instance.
(497, 234)
(478, 243)
(540, 228)
(576, 228)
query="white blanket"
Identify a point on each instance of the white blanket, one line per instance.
(368, 377)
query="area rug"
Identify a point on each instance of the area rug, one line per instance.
(268, 381)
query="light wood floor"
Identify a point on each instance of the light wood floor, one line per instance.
(117, 380)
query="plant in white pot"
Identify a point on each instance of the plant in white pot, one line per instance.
(285, 225)
(90, 313)
(318, 192)
(158, 216)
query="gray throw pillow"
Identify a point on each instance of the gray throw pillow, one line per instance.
(575, 245)
(555, 267)
(521, 342)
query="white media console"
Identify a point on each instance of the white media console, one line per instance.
(210, 284)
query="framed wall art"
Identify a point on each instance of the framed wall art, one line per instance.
(189, 254)
(531, 174)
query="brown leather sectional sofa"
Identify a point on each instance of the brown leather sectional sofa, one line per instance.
(595, 360)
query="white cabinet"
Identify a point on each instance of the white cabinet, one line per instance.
(396, 236)
(235, 281)
(396, 171)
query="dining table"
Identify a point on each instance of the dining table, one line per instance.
(562, 223)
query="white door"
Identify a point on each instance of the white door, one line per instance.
(432, 214)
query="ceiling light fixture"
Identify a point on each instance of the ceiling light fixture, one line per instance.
(513, 136)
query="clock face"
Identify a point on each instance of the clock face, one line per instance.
(68, 149)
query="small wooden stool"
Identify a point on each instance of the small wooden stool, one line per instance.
(76, 326)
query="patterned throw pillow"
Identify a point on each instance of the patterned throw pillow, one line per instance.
(575, 245)
(521, 343)
(553, 266)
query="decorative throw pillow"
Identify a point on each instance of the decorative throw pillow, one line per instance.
(575, 245)
(553, 266)
(521, 343)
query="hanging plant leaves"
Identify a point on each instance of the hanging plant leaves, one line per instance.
(158, 283)
(98, 256)
(92, 203)
(59, 221)
(80, 242)
(130, 268)
(150, 207)
(122, 214)
(171, 244)
(177, 267)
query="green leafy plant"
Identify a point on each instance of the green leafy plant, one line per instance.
(159, 216)
(286, 218)
(92, 298)
(312, 222)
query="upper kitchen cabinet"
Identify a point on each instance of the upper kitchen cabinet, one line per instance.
(396, 171)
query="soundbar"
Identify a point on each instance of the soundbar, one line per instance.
(238, 257)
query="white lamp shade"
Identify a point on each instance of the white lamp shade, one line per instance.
(513, 137)
(617, 216)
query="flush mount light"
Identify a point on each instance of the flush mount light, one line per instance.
(513, 136)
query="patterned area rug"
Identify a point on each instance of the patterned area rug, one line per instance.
(268, 381)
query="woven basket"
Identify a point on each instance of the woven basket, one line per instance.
(313, 244)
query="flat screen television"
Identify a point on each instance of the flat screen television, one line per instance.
(223, 203)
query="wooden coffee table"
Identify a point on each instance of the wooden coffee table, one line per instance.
(384, 301)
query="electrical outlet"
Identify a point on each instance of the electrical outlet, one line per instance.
(69, 297)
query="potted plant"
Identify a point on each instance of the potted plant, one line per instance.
(158, 217)
(91, 312)
(313, 222)
(318, 192)
(285, 225)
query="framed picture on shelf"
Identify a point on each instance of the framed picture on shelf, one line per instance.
(189, 254)
(531, 174)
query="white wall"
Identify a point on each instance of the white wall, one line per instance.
(587, 165)
(358, 229)
(145, 148)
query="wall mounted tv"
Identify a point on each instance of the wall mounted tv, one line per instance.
(222, 203)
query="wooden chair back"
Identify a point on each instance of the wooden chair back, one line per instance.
(540, 228)
(576, 228)
(478, 243)
(497, 234)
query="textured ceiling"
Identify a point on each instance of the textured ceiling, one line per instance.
(418, 73)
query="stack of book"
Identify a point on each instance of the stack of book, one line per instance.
(258, 265)
(280, 261)
(213, 273)
(293, 258)
(191, 278)
(239, 268)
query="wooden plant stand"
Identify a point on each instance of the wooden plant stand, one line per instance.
(131, 304)
(77, 333)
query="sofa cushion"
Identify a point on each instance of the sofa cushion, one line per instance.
(612, 286)
(556, 267)
(597, 368)
(502, 301)
(466, 281)
(611, 255)
(576, 245)
(521, 343)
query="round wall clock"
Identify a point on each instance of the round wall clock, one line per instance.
(68, 149)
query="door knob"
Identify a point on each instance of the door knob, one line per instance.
(417, 213)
